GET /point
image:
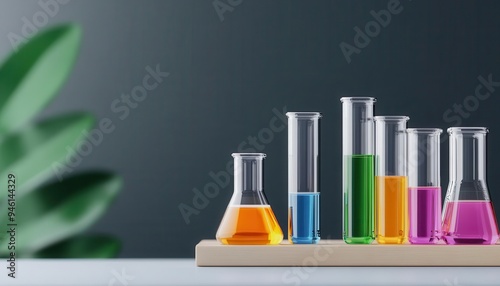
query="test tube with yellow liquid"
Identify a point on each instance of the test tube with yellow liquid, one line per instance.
(391, 180)
(249, 219)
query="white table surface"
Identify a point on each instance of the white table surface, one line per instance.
(184, 272)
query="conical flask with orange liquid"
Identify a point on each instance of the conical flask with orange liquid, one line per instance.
(249, 218)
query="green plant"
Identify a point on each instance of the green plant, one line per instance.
(50, 214)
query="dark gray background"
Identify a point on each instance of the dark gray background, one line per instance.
(227, 76)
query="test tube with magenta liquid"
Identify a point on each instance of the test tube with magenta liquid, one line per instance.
(424, 185)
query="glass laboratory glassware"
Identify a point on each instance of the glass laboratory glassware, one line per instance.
(248, 218)
(424, 185)
(358, 165)
(468, 215)
(303, 175)
(391, 181)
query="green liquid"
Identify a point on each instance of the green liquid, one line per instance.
(358, 199)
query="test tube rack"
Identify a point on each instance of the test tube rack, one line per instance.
(338, 253)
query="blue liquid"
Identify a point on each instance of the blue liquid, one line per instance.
(303, 218)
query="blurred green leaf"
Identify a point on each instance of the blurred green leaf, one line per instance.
(49, 217)
(31, 153)
(31, 77)
(96, 246)
(62, 209)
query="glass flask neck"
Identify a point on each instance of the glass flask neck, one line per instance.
(468, 164)
(248, 179)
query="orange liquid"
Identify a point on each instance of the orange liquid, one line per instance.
(391, 209)
(249, 225)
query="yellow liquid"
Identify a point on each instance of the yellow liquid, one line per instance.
(249, 225)
(391, 209)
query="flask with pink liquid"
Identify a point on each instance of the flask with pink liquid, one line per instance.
(468, 215)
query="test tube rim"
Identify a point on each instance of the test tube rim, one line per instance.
(304, 114)
(468, 130)
(391, 118)
(366, 99)
(249, 155)
(425, 130)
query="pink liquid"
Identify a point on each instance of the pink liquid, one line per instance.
(470, 222)
(424, 208)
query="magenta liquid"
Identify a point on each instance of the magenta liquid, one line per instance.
(470, 222)
(424, 208)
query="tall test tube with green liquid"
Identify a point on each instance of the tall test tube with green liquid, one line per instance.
(358, 169)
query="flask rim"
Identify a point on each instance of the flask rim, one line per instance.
(364, 99)
(391, 118)
(424, 130)
(468, 130)
(305, 114)
(249, 155)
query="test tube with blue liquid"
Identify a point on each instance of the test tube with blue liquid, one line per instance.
(303, 179)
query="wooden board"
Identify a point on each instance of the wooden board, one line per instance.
(337, 253)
